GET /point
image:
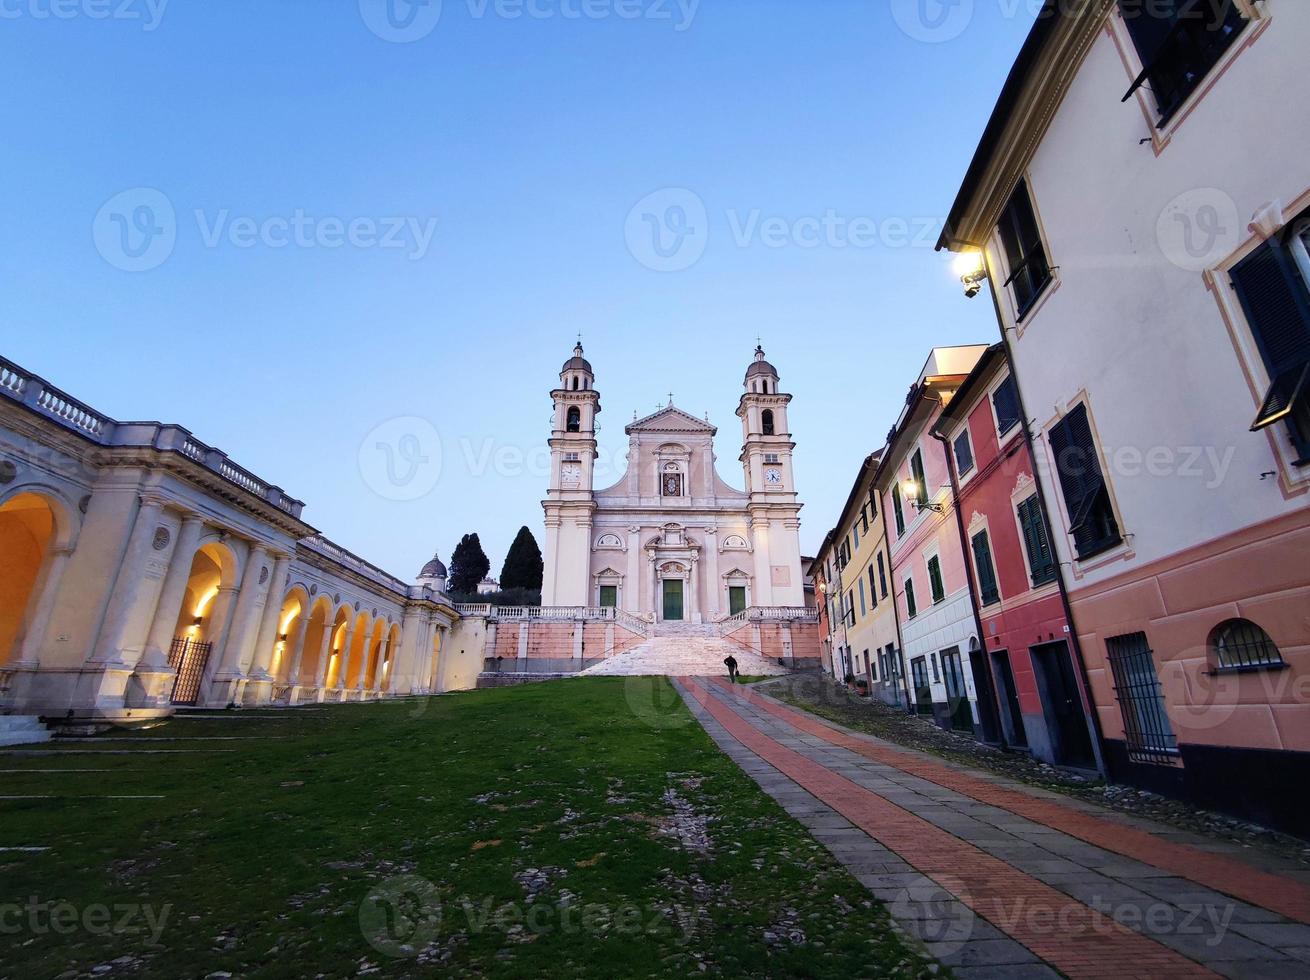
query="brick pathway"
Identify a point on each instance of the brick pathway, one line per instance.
(998, 881)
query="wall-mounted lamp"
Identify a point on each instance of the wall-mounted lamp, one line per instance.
(910, 491)
(283, 637)
(971, 270)
(197, 622)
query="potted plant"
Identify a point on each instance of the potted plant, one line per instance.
(850, 681)
(862, 687)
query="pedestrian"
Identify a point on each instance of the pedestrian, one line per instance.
(731, 662)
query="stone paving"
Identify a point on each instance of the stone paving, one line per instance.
(1003, 880)
(684, 655)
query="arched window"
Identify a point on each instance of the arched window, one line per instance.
(766, 421)
(575, 420)
(575, 383)
(1240, 643)
(765, 382)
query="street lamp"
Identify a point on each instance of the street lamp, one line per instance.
(910, 490)
(972, 271)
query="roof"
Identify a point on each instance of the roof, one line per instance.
(434, 568)
(760, 366)
(670, 418)
(577, 362)
(869, 465)
(1048, 20)
(961, 399)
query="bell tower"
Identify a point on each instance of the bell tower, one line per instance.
(569, 503)
(766, 458)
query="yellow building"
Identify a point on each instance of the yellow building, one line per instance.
(856, 578)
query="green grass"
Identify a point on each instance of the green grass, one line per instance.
(514, 832)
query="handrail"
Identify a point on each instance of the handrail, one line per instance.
(38, 395)
(588, 614)
(767, 614)
(334, 551)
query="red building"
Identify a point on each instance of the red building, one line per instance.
(1036, 670)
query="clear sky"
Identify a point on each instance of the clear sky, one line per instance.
(364, 227)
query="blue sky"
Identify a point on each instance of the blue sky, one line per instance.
(353, 241)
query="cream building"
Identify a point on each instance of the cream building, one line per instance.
(672, 541)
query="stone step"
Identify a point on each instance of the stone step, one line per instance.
(672, 656)
(22, 730)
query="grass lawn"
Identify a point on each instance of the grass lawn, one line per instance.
(578, 828)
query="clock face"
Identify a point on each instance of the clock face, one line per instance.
(773, 477)
(572, 473)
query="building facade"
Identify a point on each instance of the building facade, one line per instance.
(671, 541)
(1166, 387)
(1036, 673)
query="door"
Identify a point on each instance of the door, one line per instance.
(986, 689)
(957, 697)
(672, 600)
(609, 596)
(922, 689)
(736, 599)
(1063, 706)
(1012, 718)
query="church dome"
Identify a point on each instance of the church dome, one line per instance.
(760, 367)
(577, 362)
(433, 569)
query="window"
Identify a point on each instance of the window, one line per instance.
(936, 675)
(1179, 41)
(1147, 732)
(770, 457)
(1025, 256)
(855, 532)
(873, 503)
(963, 453)
(864, 520)
(1041, 563)
(882, 576)
(609, 596)
(1005, 400)
(1240, 644)
(850, 609)
(868, 667)
(1091, 516)
(982, 560)
(900, 513)
(766, 421)
(1271, 284)
(671, 484)
(864, 609)
(935, 579)
(921, 485)
(910, 607)
(873, 591)
(574, 423)
(572, 458)
(736, 599)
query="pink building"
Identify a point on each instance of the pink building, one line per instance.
(940, 647)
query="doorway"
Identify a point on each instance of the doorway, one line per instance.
(957, 696)
(672, 600)
(985, 687)
(1011, 717)
(736, 599)
(1063, 706)
(922, 689)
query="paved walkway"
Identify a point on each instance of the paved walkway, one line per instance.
(687, 654)
(1004, 880)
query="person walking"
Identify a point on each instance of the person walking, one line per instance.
(731, 662)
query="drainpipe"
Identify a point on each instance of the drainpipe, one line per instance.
(1089, 710)
(964, 553)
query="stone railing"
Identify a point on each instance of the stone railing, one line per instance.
(348, 559)
(45, 399)
(555, 614)
(767, 614)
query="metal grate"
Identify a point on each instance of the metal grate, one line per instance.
(1239, 643)
(189, 659)
(1147, 731)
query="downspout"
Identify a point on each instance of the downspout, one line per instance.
(1089, 711)
(964, 553)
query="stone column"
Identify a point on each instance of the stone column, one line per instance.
(693, 601)
(324, 655)
(440, 667)
(128, 584)
(361, 685)
(289, 669)
(259, 687)
(713, 583)
(228, 679)
(29, 653)
(343, 660)
(171, 596)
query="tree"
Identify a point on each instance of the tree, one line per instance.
(468, 565)
(523, 564)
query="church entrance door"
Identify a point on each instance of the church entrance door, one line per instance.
(673, 600)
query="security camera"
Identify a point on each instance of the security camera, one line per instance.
(972, 289)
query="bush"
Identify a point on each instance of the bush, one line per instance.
(505, 597)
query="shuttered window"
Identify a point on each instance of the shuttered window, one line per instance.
(935, 579)
(1006, 402)
(882, 576)
(1091, 515)
(963, 453)
(1178, 42)
(873, 591)
(916, 469)
(1276, 300)
(910, 606)
(1025, 256)
(1041, 563)
(899, 509)
(982, 560)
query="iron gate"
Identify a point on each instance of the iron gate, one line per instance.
(189, 659)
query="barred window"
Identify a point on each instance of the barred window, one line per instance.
(1240, 643)
(1147, 731)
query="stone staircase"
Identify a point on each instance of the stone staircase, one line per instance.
(690, 651)
(22, 730)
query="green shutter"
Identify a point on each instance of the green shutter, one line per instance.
(910, 607)
(916, 468)
(935, 579)
(896, 505)
(982, 559)
(1040, 563)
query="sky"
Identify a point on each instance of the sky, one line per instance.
(351, 242)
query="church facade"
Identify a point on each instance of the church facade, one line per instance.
(671, 541)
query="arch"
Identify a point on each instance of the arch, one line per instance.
(609, 541)
(28, 535)
(210, 590)
(735, 542)
(574, 419)
(321, 617)
(575, 382)
(1236, 644)
(290, 625)
(391, 649)
(336, 653)
(766, 422)
(371, 665)
(67, 513)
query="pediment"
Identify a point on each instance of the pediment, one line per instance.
(670, 419)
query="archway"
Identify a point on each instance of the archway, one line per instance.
(27, 534)
(318, 645)
(210, 590)
(289, 642)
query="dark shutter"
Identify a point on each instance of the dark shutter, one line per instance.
(873, 590)
(982, 559)
(935, 579)
(963, 453)
(1277, 306)
(1006, 402)
(1040, 563)
(1091, 518)
(909, 598)
(916, 468)
(896, 506)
